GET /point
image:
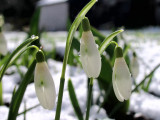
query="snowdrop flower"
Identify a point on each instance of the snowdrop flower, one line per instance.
(3, 44)
(44, 84)
(89, 54)
(134, 66)
(121, 77)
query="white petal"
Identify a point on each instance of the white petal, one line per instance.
(134, 67)
(90, 57)
(122, 78)
(3, 45)
(115, 88)
(44, 86)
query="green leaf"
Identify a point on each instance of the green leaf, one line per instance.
(34, 24)
(146, 87)
(107, 40)
(97, 33)
(16, 53)
(72, 31)
(147, 76)
(17, 98)
(106, 70)
(74, 100)
(28, 109)
(1, 94)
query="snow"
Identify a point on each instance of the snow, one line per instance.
(147, 47)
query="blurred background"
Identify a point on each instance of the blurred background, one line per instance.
(105, 14)
(50, 20)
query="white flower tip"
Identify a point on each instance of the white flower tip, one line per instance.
(89, 55)
(121, 80)
(44, 86)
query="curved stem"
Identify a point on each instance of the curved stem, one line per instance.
(72, 30)
(15, 52)
(146, 78)
(108, 40)
(29, 47)
(89, 98)
(112, 42)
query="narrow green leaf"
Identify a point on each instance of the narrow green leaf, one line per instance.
(107, 40)
(16, 53)
(74, 100)
(17, 98)
(1, 94)
(106, 70)
(146, 87)
(72, 31)
(34, 24)
(146, 78)
(28, 109)
(97, 33)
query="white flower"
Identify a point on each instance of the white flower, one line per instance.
(121, 79)
(89, 55)
(3, 44)
(134, 67)
(44, 86)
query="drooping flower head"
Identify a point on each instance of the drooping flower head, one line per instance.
(134, 66)
(89, 54)
(44, 84)
(121, 77)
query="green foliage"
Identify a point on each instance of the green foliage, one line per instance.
(114, 108)
(17, 97)
(74, 100)
(19, 50)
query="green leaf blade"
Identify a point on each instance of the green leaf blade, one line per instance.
(16, 53)
(74, 100)
(107, 40)
(18, 96)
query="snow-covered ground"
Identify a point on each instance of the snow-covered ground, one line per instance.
(147, 46)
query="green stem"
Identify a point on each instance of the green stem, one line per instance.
(72, 30)
(112, 42)
(1, 90)
(89, 98)
(60, 96)
(15, 52)
(146, 78)
(1, 93)
(108, 40)
(18, 96)
(25, 111)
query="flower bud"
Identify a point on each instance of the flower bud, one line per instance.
(44, 84)
(89, 54)
(134, 66)
(3, 44)
(121, 77)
